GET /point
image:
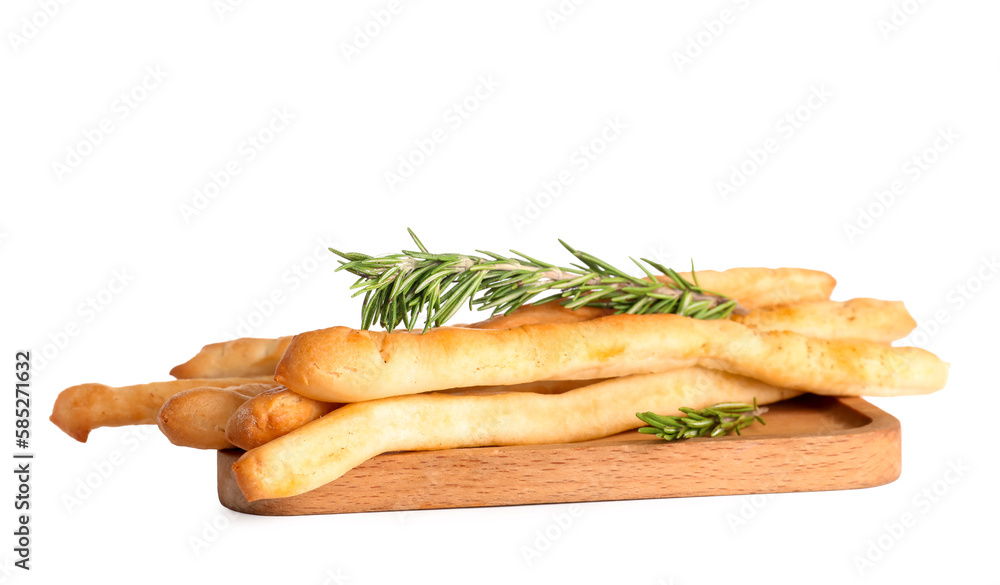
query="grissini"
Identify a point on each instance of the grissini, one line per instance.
(197, 417)
(341, 364)
(752, 287)
(251, 356)
(243, 357)
(544, 313)
(864, 319)
(277, 412)
(270, 415)
(85, 407)
(755, 288)
(274, 414)
(325, 449)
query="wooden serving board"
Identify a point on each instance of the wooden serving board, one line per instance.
(810, 443)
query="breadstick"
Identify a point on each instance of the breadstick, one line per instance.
(197, 417)
(752, 287)
(866, 319)
(247, 356)
(348, 365)
(325, 449)
(277, 412)
(755, 288)
(265, 418)
(250, 356)
(83, 408)
(551, 312)
(270, 415)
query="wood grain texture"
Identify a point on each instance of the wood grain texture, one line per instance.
(810, 443)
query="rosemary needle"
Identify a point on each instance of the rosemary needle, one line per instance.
(398, 288)
(713, 421)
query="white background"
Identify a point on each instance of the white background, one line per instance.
(889, 89)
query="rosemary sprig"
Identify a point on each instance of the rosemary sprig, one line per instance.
(713, 421)
(399, 287)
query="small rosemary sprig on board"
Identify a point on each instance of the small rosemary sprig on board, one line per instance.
(399, 287)
(713, 421)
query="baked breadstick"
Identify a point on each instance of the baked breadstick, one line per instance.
(752, 287)
(551, 312)
(251, 356)
(270, 415)
(866, 319)
(277, 412)
(247, 356)
(274, 414)
(765, 287)
(325, 449)
(197, 417)
(348, 365)
(83, 408)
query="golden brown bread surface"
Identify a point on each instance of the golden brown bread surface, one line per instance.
(544, 313)
(267, 417)
(270, 415)
(85, 407)
(325, 449)
(765, 287)
(197, 417)
(252, 356)
(280, 411)
(752, 287)
(865, 319)
(341, 364)
(244, 357)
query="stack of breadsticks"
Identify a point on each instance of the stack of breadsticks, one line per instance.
(309, 408)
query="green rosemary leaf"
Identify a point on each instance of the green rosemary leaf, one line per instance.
(714, 421)
(398, 288)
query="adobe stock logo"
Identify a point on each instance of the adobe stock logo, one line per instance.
(559, 524)
(582, 159)
(247, 151)
(899, 16)
(367, 32)
(712, 30)
(87, 310)
(914, 168)
(899, 526)
(32, 26)
(454, 118)
(122, 107)
(786, 127)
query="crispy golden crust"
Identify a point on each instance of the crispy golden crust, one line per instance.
(327, 448)
(280, 411)
(264, 418)
(270, 415)
(347, 365)
(545, 313)
(251, 356)
(755, 288)
(244, 357)
(752, 287)
(83, 408)
(863, 319)
(197, 417)
(253, 389)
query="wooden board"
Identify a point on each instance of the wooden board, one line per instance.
(810, 443)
